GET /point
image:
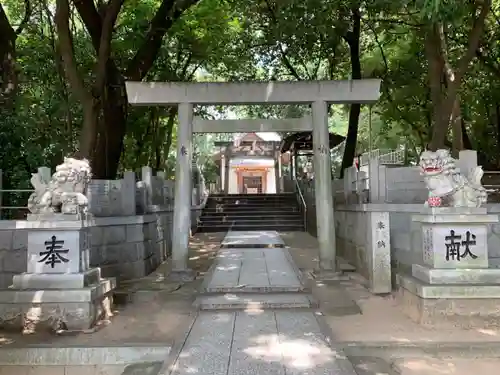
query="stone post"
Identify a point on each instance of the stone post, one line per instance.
(377, 178)
(227, 165)
(324, 198)
(222, 172)
(277, 172)
(183, 190)
(128, 200)
(44, 173)
(467, 161)
(281, 183)
(295, 164)
(147, 178)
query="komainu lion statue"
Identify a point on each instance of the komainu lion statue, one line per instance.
(447, 184)
(65, 193)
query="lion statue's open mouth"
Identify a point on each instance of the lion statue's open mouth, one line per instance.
(444, 179)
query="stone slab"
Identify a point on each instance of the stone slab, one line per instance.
(447, 215)
(455, 245)
(427, 365)
(251, 353)
(217, 93)
(182, 275)
(252, 239)
(90, 293)
(450, 291)
(269, 342)
(305, 347)
(322, 276)
(344, 266)
(70, 309)
(201, 125)
(254, 301)
(58, 251)
(81, 356)
(467, 313)
(76, 220)
(252, 270)
(456, 276)
(368, 365)
(42, 281)
(207, 348)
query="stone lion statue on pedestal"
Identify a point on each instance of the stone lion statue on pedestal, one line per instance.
(447, 185)
(65, 193)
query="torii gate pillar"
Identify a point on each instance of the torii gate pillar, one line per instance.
(183, 188)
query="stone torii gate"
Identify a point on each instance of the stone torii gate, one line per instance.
(318, 94)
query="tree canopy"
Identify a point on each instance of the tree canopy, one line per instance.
(63, 64)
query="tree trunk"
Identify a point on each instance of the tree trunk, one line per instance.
(88, 133)
(114, 103)
(436, 67)
(8, 77)
(352, 39)
(465, 137)
(444, 107)
(165, 138)
(169, 131)
(456, 126)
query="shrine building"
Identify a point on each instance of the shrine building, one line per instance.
(251, 164)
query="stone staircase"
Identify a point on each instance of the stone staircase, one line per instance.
(279, 212)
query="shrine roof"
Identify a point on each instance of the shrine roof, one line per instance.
(302, 141)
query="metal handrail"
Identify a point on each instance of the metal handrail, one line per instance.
(299, 190)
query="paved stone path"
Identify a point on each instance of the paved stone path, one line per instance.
(251, 336)
(253, 238)
(253, 270)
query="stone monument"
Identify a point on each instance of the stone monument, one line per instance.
(454, 285)
(59, 290)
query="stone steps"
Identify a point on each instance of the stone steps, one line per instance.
(250, 301)
(85, 360)
(243, 289)
(251, 212)
(248, 215)
(207, 228)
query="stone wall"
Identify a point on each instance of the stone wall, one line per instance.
(130, 233)
(13, 250)
(353, 235)
(130, 247)
(362, 238)
(125, 247)
(404, 185)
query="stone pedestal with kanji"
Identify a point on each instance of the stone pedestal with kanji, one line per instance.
(454, 284)
(59, 290)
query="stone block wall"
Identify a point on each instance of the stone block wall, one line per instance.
(404, 185)
(130, 234)
(405, 236)
(128, 247)
(125, 247)
(13, 251)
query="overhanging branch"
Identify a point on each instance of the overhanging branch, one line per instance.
(27, 15)
(169, 12)
(111, 13)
